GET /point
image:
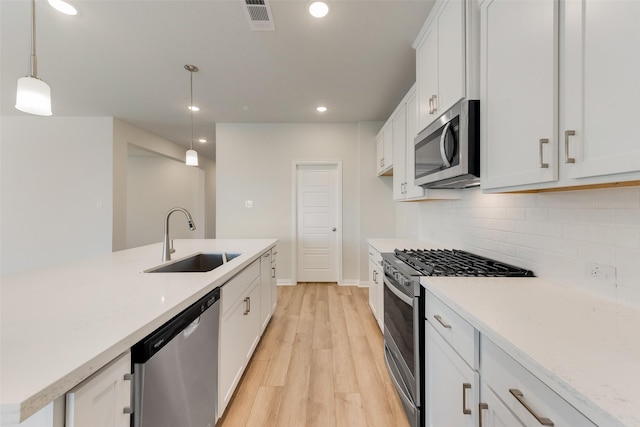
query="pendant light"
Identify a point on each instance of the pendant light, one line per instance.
(33, 95)
(192, 155)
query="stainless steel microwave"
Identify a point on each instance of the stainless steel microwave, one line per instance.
(447, 152)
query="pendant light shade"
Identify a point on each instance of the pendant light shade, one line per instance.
(33, 95)
(191, 158)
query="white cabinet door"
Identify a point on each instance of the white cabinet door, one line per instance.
(373, 288)
(399, 132)
(427, 76)
(274, 280)
(239, 334)
(440, 61)
(451, 56)
(384, 150)
(266, 291)
(602, 95)
(452, 386)
(101, 400)
(519, 92)
(411, 191)
(493, 412)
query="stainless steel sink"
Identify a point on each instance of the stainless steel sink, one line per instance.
(198, 263)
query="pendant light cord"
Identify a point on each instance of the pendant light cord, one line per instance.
(191, 105)
(34, 60)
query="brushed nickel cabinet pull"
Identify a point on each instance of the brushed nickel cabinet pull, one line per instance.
(543, 165)
(439, 319)
(435, 104)
(129, 409)
(246, 306)
(249, 298)
(273, 272)
(465, 387)
(567, 134)
(481, 406)
(431, 105)
(520, 398)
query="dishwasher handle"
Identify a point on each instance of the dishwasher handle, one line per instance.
(154, 342)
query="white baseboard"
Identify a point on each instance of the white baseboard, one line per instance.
(285, 282)
(349, 282)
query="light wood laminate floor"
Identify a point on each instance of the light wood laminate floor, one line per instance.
(320, 363)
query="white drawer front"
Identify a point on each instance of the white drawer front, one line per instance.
(457, 331)
(374, 255)
(235, 288)
(523, 393)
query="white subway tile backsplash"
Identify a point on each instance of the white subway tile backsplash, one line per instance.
(553, 234)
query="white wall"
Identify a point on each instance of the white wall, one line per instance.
(56, 190)
(254, 162)
(125, 134)
(155, 184)
(553, 234)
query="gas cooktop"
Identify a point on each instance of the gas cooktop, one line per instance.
(446, 262)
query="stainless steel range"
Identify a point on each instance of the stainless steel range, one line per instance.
(404, 302)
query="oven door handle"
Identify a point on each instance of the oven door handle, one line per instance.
(402, 389)
(405, 298)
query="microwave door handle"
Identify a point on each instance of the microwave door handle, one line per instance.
(446, 161)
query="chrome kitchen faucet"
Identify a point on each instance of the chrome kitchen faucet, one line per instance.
(166, 250)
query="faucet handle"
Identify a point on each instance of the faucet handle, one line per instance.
(171, 250)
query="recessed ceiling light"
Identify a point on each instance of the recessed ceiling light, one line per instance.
(318, 9)
(64, 7)
(203, 140)
(321, 109)
(193, 108)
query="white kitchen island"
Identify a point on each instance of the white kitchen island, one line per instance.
(60, 325)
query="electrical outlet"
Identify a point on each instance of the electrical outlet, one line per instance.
(604, 274)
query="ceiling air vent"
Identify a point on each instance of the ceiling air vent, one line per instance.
(259, 15)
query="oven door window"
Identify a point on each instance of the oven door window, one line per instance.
(438, 151)
(398, 320)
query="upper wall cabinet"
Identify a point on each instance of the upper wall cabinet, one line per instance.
(559, 93)
(384, 150)
(441, 59)
(404, 131)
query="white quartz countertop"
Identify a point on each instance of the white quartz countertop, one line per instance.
(59, 325)
(585, 348)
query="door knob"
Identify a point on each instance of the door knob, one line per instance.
(333, 229)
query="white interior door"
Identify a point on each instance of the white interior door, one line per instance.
(317, 222)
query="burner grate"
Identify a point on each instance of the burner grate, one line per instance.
(446, 262)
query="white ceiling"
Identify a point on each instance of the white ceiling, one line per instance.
(125, 59)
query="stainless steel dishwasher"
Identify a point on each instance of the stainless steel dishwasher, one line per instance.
(176, 369)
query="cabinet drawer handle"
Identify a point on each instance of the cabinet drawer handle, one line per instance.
(249, 299)
(543, 165)
(435, 104)
(273, 272)
(481, 406)
(246, 306)
(465, 387)
(439, 319)
(520, 398)
(567, 134)
(129, 409)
